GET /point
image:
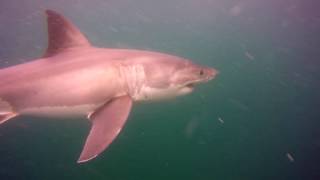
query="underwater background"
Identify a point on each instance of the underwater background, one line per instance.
(258, 120)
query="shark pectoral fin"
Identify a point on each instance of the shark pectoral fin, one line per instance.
(107, 122)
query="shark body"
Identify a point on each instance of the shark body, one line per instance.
(73, 78)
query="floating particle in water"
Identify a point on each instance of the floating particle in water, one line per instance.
(113, 29)
(249, 56)
(37, 47)
(290, 157)
(220, 120)
(191, 127)
(236, 10)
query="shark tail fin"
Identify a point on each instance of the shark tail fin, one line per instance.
(6, 112)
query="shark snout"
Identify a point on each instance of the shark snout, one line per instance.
(211, 73)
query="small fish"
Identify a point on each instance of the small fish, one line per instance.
(75, 79)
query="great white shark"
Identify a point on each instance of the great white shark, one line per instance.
(75, 79)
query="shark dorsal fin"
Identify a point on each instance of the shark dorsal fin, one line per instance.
(62, 34)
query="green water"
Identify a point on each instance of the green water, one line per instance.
(261, 108)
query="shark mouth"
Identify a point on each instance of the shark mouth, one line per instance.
(191, 85)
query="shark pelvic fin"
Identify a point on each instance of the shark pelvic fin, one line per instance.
(5, 111)
(6, 116)
(107, 122)
(62, 34)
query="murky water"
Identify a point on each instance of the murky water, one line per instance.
(259, 119)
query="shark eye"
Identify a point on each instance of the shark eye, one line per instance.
(201, 72)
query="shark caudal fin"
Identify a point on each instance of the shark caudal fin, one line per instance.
(62, 34)
(6, 112)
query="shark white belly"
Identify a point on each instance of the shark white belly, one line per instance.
(61, 111)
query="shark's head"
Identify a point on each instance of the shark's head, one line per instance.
(170, 76)
(186, 77)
